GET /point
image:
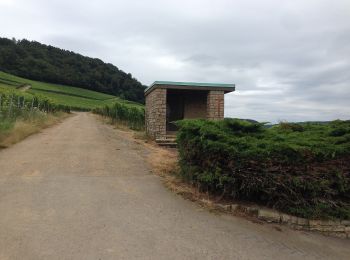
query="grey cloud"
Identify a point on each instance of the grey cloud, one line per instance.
(289, 60)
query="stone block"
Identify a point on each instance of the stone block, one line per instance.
(293, 220)
(330, 223)
(315, 228)
(332, 229)
(345, 222)
(303, 221)
(224, 207)
(285, 218)
(315, 223)
(269, 215)
(234, 207)
(253, 211)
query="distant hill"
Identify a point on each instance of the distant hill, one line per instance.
(75, 98)
(37, 61)
(248, 120)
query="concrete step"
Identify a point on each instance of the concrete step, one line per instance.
(169, 145)
(166, 140)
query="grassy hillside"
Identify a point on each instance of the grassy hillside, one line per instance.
(36, 61)
(76, 98)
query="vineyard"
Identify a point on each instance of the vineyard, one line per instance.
(12, 105)
(28, 110)
(301, 169)
(76, 98)
(128, 115)
(28, 100)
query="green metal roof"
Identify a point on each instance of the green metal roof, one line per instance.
(191, 84)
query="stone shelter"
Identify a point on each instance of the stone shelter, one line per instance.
(167, 102)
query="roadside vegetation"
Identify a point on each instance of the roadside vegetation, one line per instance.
(22, 115)
(301, 169)
(128, 115)
(28, 105)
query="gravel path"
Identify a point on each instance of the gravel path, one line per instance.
(80, 190)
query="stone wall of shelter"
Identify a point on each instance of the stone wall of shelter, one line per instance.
(215, 105)
(155, 113)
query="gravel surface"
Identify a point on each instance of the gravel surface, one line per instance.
(81, 190)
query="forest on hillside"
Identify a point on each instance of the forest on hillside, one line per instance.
(33, 60)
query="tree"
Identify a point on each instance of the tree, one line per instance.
(42, 62)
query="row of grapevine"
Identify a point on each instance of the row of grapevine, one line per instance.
(133, 117)
(13, 105)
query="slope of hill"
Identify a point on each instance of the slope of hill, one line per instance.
(36, 61)
(76, 98)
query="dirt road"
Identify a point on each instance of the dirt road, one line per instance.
(80, 190)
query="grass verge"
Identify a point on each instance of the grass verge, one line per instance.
(14, 131)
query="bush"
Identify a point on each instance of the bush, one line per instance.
(302, 169)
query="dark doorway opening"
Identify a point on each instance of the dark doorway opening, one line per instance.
(174, 109)
(184, 104)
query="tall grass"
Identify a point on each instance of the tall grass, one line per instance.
(21, 116)
(131, 116)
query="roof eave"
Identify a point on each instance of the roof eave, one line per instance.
(206, 87)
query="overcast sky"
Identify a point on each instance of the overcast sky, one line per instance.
(290, 60)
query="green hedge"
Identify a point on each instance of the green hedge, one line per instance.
(302, 169)
(132, 116)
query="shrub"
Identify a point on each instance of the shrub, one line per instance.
(294, 127)
(303, 169)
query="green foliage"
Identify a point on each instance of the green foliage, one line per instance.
(6, 124)
(294, 127)
(41, 62)
(14, 106)
(132, 116)
(303, 169)
(76, 98)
